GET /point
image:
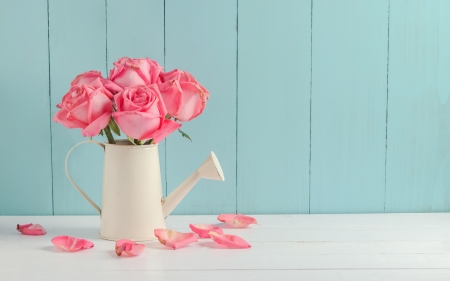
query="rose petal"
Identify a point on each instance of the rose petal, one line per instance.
(93, 78)
(174, 239)
(129, 72)
(136, 124)
(229, 240)
(172, 96)
(31, 229)
(226, 217)
(71, 244)
(61, 117)
(194, 102)
(237, 221)
(203, 229)
(95, 127)
(22, 226)
(168, 127)
(129, 247)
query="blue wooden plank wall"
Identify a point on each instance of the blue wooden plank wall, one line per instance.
(25, 142)
(348, 105)
(317, 106)
(418, 150)
(274, 76)
(203, 41)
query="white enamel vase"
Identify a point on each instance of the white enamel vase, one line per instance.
(132, 202)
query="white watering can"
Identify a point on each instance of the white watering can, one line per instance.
(132, 202)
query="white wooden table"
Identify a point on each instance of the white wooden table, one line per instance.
(284, 247)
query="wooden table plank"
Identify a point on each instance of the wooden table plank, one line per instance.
(316, 247)
(244, 275)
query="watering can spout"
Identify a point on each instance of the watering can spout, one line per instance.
(210, 169)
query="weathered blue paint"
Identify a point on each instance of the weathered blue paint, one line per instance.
(316, 106)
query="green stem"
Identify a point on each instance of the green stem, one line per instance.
(110, 137)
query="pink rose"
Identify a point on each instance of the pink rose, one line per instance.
(183, 96)
(85, 107)
(141, 113)
(131, 72)
(95, 79)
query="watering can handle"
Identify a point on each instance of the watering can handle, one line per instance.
(70, 178)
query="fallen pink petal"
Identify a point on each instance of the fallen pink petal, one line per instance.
(31, 229)
(237, 221)
(174, 239)
(71, 244)
(229, 240)
(129, 247)
(203, 229)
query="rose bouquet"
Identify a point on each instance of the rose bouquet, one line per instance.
(137, 98)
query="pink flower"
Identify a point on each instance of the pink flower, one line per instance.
(141, 113)
(184, 97)
(203, 229)
(94, 78)
(129, 247)
(131, 72)
(31, 229)
(229, 240)
(71, 244)
(174, 239)
(238, 221)
(85, 107)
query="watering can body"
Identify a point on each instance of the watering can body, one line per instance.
(132, 201)
(131, 193)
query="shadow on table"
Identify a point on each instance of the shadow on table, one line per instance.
(157, 246)
(213, 245)
(52, 249)
(84, 233)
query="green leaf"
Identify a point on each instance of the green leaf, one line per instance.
(131, 140)
(114, 127)
(184, 134)
(101, 133)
